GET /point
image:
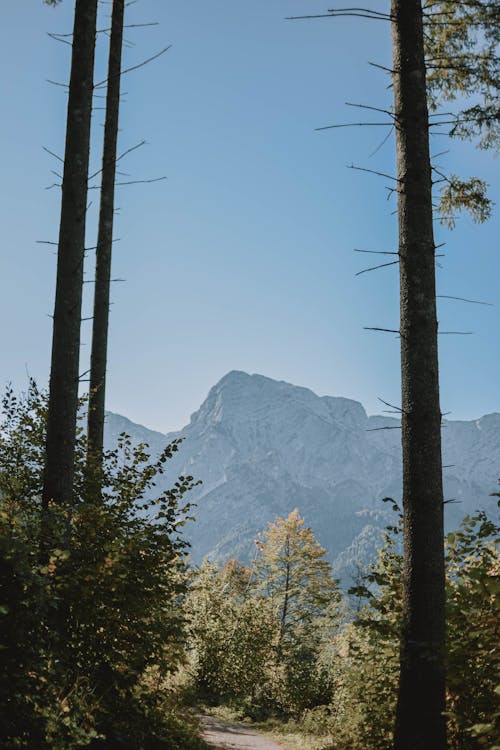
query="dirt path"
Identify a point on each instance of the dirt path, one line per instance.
(226, 735)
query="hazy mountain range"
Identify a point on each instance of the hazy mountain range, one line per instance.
(263, 447)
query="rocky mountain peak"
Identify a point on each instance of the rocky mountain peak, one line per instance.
(263, 447)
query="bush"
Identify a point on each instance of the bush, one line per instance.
(91, 595)
(366, 670)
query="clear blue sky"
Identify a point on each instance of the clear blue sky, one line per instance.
(243, 258)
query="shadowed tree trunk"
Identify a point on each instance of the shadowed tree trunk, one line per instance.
(420, 723)
(103, 251)
(63, 394)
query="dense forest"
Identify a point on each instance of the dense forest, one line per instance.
(110, 637)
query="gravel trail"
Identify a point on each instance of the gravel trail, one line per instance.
(229, 736)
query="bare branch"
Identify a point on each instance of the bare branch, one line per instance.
(346, 12)
(375, 252)
(56, 156)
(372, 171)
(464, 299)
(125, 153)
(376, 429)
(382, 67)
(456, 333)
(382, 143)
(374, 268)
(383, 330)
(355, 124)
(57, 83)
(59, 38)
(374, 109)
(398, 408)
(136, 67)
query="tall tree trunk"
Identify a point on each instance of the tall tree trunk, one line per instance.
(420, 724)
(103, 252)
(63, 394)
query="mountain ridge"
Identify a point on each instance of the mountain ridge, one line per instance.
(263, 447)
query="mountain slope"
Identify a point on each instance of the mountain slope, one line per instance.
(263, 447)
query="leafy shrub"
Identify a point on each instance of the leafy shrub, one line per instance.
(91, 594)
(366, 672)
(258, 633)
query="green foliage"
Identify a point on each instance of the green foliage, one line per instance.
(469, 195)
(91, 594)
(292, 571)
(267, 640)
(474, 633)
(259, 635)
(462, 65)
(463, 68)
(366, 678)
(232, 631)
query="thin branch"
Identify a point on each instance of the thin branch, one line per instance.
(355, 125)
(136, 67)
(341, 13)
(441, 153)
(374, 109)
(375, 252)
(391, 405)
(132, 182)
(57, 83)
(56, 156)
(374, 268)
(464, 299)
(58, 38)
(373, 171)
(384, 330)
(382, 143)
(139, 182)
(130, 26)
(376, 429)
(382, 67)
(128, 151)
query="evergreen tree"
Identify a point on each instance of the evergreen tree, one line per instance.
(64, 370)
(420, 722)
(98, 357)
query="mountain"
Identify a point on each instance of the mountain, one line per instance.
(263, 447)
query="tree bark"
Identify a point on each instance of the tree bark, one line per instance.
(420, 724)
(100, 324)
(64, 373)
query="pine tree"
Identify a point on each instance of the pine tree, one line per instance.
(420, 723)
(99, 350)
(64, 371)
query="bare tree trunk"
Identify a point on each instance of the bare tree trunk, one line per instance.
(63, 395)
(103, 251)
(420, 724)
